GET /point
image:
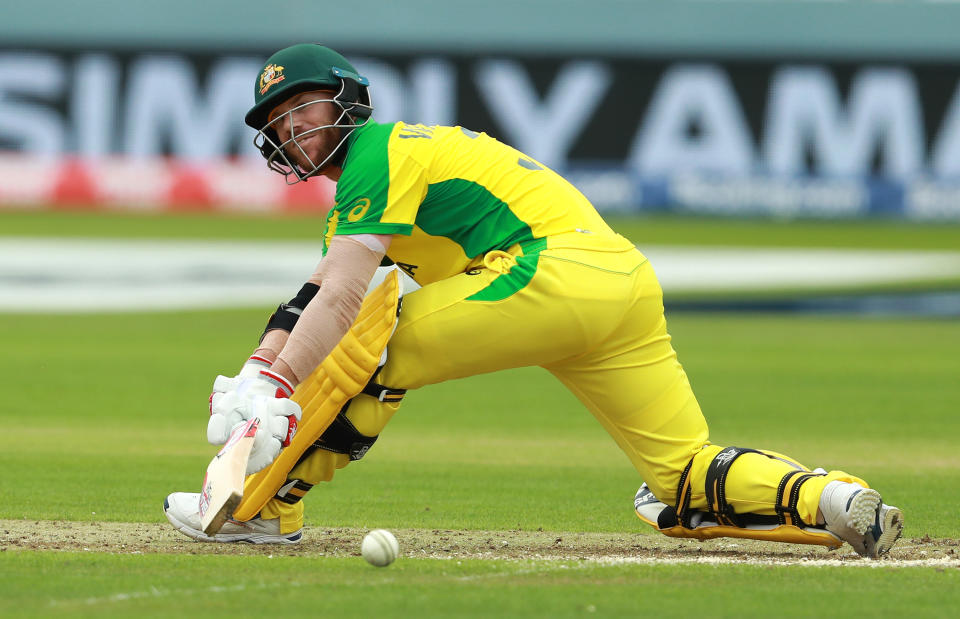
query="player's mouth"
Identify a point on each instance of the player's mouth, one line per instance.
(304, 150)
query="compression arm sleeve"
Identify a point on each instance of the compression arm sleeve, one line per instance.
(343, 276)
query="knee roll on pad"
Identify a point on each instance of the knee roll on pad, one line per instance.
(679, 520)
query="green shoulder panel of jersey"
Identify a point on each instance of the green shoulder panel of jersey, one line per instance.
(380, 188)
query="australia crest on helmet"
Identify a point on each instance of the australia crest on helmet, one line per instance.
(272, 74)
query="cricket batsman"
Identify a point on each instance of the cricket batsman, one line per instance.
(515, 268)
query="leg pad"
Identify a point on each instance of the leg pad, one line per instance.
(324, 394)
(699, 525)
(720, 519)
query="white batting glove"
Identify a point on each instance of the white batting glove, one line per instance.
(225, 384)
(251, 368)
(265, 396)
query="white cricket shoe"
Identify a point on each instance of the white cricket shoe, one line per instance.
(182, 509)
(886, 530)
(859, 517)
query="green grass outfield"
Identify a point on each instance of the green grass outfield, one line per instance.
(105, 415)
(654, 229)
(76, 584)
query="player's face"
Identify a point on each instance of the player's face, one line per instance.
(306, 118)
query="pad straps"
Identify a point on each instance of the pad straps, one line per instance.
(342, 437)
(788, 495)
(788, 492)
(683, 496)
(715, 484)
(382, 393)
(293, 491)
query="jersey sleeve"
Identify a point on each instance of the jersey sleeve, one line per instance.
(381, 188)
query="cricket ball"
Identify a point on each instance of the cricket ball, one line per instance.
(380, 548)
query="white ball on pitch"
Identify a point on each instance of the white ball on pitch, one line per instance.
(380, 548)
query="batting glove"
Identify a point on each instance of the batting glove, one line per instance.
(265, 396)
(251, 368)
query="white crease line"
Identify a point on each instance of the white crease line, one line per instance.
(586, 562)
(855, 562)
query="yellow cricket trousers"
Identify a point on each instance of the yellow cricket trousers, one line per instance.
(589, 309)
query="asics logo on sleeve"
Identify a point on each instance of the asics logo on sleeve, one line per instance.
(359, 209)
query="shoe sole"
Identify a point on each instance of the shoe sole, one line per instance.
(891, 528)
(860, 514)
(249, 538)
(862, 510)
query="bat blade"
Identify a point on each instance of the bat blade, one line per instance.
(223, 482)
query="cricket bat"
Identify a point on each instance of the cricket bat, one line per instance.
(223, 482)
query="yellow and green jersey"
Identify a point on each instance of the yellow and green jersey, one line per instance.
(450, 195)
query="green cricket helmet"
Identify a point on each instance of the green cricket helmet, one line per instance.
(298, 69)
